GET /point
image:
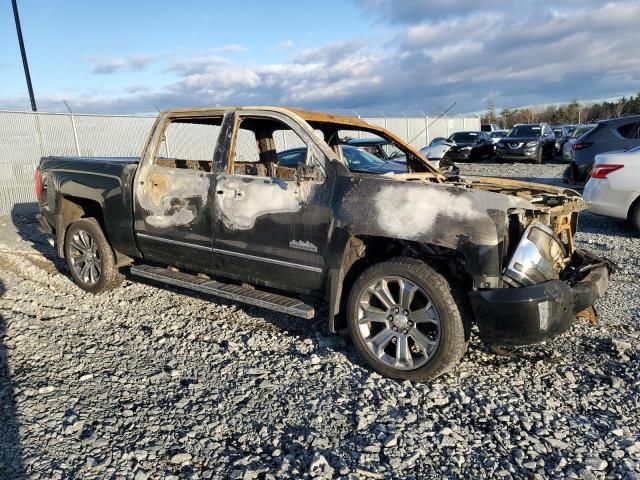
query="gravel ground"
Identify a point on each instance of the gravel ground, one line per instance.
(153, 382)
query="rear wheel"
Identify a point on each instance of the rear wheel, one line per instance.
(90, 258)
(404, 320)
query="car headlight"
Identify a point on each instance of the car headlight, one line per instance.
(500, 145)
(531, 144)
(540, 256)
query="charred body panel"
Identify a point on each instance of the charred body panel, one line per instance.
(469, 221)
(103, 184)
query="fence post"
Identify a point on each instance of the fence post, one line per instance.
(38, 132)
(426, 128)
(407, 119)
(73, 125)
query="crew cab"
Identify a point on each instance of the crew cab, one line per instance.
(408, 262)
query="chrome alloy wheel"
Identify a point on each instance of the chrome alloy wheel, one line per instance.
(85, 257)
(398, 322)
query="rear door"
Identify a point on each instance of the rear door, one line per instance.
(271, 219)
(172, 195)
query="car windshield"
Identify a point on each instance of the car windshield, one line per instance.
(570, 130)
(524, 131)
(462, 137)
(557, 132)
(291, 158)
(392, 151)
(361, 161)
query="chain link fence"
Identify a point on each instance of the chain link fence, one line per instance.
(27, 136)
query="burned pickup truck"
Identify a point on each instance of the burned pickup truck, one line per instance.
(260, 205)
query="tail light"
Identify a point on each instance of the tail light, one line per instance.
(601, 171)
(582, 146)
(38, 183)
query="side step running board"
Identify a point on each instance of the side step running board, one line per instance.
(236, 293)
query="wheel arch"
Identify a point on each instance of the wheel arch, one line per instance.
(71, 208)
(632, 207)
(362, 251)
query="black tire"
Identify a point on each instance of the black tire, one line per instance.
(86, 249)
(539, 157)
(634, 216)
(453, 329)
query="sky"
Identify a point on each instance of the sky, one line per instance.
(365, 57)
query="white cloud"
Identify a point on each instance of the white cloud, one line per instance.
(285, 45)
(228, 48)
(190, 66)
(133, 63)
(517, 54)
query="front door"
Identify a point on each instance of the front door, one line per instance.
(272, 204)
(173, 204)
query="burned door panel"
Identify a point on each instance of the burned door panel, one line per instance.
(271, 224)
(173, 214)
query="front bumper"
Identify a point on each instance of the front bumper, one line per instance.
(528, 315)
(521, 154)
(459, 155)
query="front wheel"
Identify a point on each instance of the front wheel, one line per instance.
(405, 321)
(90, 258)
(539, 157)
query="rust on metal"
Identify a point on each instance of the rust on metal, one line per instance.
(589, 314)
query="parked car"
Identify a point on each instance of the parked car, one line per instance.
(360, 161)
(614, 186)
(378, 147)
(398, 258)
(470, 146)
(562, 136)
(388, 152)
(567, 148)
(607, 136)
(497, 135)
(489, 127)
(527, 141)
(437, 149)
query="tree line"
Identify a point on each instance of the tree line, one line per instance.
(574, 112)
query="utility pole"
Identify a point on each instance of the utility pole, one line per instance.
(25, 64)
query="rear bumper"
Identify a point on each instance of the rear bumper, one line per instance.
(528, 315)
(606, 201)
(460, 155)
(575, 173)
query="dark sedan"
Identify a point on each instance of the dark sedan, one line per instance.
(379, 147)
(470, 146)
